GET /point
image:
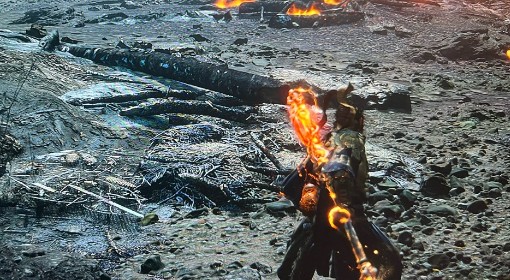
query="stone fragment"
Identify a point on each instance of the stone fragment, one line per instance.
(477, 206)
(435, 186)
(441, 210)
(149, 218)
(153, 263)
(439, 261)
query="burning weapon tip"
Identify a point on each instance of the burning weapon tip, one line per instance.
(338, 216)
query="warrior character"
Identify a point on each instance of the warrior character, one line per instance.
(316, 245)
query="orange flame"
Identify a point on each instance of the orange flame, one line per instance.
(333, 2)
(338, 215)
(310, 11)
(508, 54)
(225, 4)
(304, 121)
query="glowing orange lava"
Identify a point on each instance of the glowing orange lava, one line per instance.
(508, 54)
(304, 120)
(225, 4)
(310, 11)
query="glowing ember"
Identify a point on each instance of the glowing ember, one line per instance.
(304, 120)
(508, 54)
(333, 2)
(225, 4)
(310, 11)
(338, 215)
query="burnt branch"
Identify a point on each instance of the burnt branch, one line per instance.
(238, 114)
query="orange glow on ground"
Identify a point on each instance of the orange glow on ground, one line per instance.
(304, 121)
(508, 54)
(310, 11)
(225, 4)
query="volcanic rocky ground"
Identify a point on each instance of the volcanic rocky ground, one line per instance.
(439, 173)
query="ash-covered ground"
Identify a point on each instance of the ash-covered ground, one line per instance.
(439, 173)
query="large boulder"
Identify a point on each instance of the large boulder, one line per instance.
(470, 45)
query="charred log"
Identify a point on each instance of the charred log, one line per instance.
(128, 96)
(249, 87)
(400, 4)
(255, 9)
(289, 21)
(239, 114)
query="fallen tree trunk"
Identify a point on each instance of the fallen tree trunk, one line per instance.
(252, 88)
(239, 114)
(329, 19)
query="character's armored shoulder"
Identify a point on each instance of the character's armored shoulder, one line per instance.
(349, 139)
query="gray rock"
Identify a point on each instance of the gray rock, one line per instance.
(245, 273)
(50, 41)
(441, 167)
(467, 46)
(435, 186)
(262, 268)
(445, 83)
(378, 29)
(479, 226)
(506, 247)
(407, 198)
(149, 218)
(422, 57)
(441, 210)
(477, 206)
(281, 21)
(428, 230)
(36, 31)
(378, 196)
(492, 185)
(459, 172)
(240, 41)
(387, 209)
(460, 243)
(386, 184)
(418, 246)
(403, 32)
(153, 263)
(406, 238)
(280, 205)
(424, 220)
(130, 5)
(439, 261)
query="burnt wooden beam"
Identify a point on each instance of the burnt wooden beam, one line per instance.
(256, 7)
(327, 19)
(269, 9)
(238, 114)
(251, 88)
(393, 3)
(131, 96)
